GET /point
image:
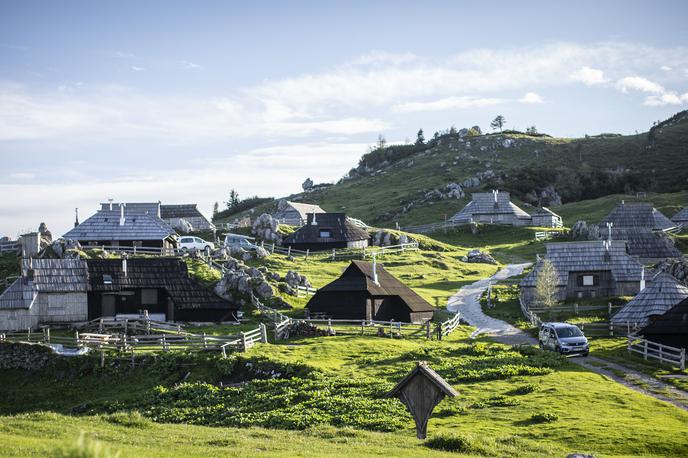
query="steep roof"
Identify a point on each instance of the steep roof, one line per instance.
(169, 273)
(45, 276)
(637, 215)
(681, 217)
(341, 230)
(359, 277)
(141, 222)
(301, 208)
(588, 256)
(422, 369)
(662, 294)
(544, 211)
(180, 211)
(674, 321)
(646, 243)
(484, 203)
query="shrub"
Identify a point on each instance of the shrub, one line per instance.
(129, 419)
(523, 389)
(86, 448)
(459, 443)
(545, 417)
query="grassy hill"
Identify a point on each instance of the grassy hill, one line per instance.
(391, 185)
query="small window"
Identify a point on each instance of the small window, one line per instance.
(198, 240)
(107, 279)
(325, 234)
(588, 280)
(187, 240)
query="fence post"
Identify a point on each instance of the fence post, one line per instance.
(575, 308)
(263, 333)
(224, 352)
(272, 250)
(100, 325)
(243, 342)
(76, 334)
(428, 332)
(307, 251)
(645, 350)
(289, 251)
(683, 359)
(164, 345)
(329, 326)
(102, 357)
(334, 254)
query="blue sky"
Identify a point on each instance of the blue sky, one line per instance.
(179, 102)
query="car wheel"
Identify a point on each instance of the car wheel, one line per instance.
(207, 248)
(542, 347)
(586, 353)
(557, 349)
(185, 249)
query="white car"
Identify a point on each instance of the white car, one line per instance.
(188, 243)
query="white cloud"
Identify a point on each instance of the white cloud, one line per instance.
(448, 103)
(190, 65)
(137, 69)
(666, 68)
(385, 58)
(531, 97)
(638, 83)
(668, 98)
(589, 76)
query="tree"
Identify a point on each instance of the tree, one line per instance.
(546, 284)
(498, 123)
(420, 138)
(452, 130)
(216, 208)
(381, 142)
(233, 200)
(532, 130)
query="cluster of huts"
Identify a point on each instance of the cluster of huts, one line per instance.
(635, 236)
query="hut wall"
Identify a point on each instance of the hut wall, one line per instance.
(358, 244)
(603, 285)
(62, 307)
(673, 340)
(627, 288)
(392, 308)
(419, 317)
(19, 319)
(341, 305)
(203, 315)
(546, 221)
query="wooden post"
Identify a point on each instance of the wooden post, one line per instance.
(28, 335)
(329, 325)
(575, 308)
(205, 343)
(100, 325)
(334, 254)
(289, 251)
(307, 251)
(77, 339)
(272, 251)
(683, 359)
(243, 342)
(102, 357)
(391, 332)
(362, 324)
(263, 333)
(224, 351)
(133, 359)
(439, 331)
(645, 349)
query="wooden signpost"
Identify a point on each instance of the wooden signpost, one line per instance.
(420, 391)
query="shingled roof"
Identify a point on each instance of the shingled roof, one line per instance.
(45, 276)
(180, 211)
(341, 230)
(637, 215)
(359, 277)
(169, 273)
(301, 208)
(663, 293)
(589, 256)
(681, 217)
(674, 321)
(484, 203)
(141, 222)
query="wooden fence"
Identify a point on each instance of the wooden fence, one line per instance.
(663, 353)
(432, 227)
(386, 328)
(9, 247)
(548, 235)
(342, 253)
(447, 327)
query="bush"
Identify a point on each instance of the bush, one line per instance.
(458, 443)
(523, 389)
(129, 419)
(545, 417)
(86, 448)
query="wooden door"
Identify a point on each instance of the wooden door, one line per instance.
(108, 308)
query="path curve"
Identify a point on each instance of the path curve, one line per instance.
(467, 302)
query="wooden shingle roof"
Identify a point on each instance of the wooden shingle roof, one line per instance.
(681, 217)
(645, 243)
(589, 256)
(180, 211)
(662, 294)
(674, 321)
(341, 230)
(637, 215)
(359, 277)
(139, 224)
(301, 208)
(422, 369)
(484, 203)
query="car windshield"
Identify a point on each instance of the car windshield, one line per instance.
(569, 331)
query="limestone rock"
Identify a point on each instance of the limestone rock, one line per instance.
(480, 257)
(307, 185)
(265, 227)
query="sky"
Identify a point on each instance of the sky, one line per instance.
(183, 101)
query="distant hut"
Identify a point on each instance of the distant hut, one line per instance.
(681, 218)
(294, 213)
(544, 217)
(160, 285)
(48, 291)
(494, 208)
(588, 269)
(663, 293)
(366, 291)
(643, 227)
(176, 215)
(324, 231)
(671, 328)
(125, 224)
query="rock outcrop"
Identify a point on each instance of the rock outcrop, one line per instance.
(265, 228)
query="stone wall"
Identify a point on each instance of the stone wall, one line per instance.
(28, 357)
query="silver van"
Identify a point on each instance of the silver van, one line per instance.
(240, 241)
(563, 338)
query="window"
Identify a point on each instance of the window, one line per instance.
(149, 296)
(325, 233)
(588, 280)
(107, 279)
(187, 240)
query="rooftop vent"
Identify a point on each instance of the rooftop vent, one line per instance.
(107, 279)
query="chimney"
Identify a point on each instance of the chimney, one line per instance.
(110, 202)
(609, 231)
(76, 218)
(375, 270)
(642, 279)
(121, 214)
(159, 204)
(314, 222)
(124, 265)
(495, 192)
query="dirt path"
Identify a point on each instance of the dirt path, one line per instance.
(467, 302)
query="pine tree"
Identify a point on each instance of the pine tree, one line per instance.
(420, 138)
(216, 208)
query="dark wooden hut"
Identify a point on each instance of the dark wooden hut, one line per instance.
(160, 285)
(670, 328)
(663, 293)
(366, 291)
(324, 231)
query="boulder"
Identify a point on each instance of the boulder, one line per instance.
(477, 129)
(307, 185)
(181, 225)
(478, 256)
(264, 290)
(265, 227)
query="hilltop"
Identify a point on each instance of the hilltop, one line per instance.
(423, 183)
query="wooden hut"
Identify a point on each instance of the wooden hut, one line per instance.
(161, 286)
(588, 269)
(637, 215)
(48, 291)
(493, 208)
(671, 328)
(176, 215)
(544, 217)
(324, 231)
(130, 224)
(662, 294)
(294, 213)
(366, 291)
(681, 218)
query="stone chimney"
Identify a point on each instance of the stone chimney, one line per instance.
(121, 214)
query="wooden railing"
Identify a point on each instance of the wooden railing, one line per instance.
(305, 291)
(394, 328)
(432, 227)
(447, 327)
(663, 353)
(9, 247)
(548, 235)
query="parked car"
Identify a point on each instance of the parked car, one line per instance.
(241, 241)
(188, 243)
(563, 338)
